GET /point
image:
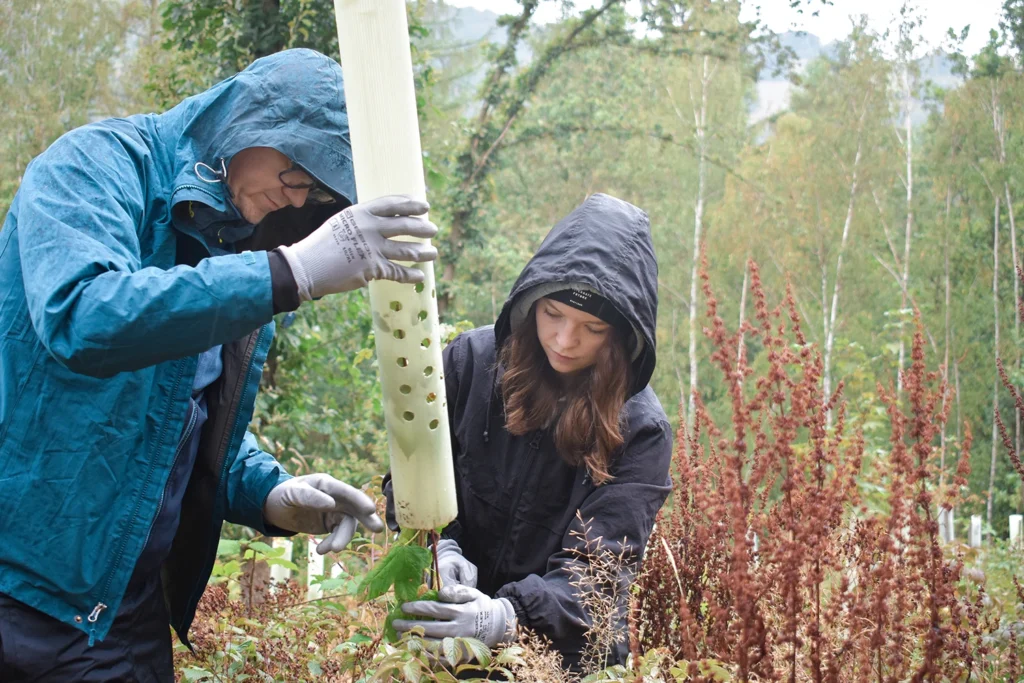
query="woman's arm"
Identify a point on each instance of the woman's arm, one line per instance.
(607, 539)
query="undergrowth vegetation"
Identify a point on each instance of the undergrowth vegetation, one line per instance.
(766, 564)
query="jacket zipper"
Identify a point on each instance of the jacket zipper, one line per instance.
(194, 187)
(101, 605)
(534, 446)
(94, 616)
(194, 598)
(186, 435)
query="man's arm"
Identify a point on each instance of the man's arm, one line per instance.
(252, 475)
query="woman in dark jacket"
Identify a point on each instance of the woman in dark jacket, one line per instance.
(553, 422)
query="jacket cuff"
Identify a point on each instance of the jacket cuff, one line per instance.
(257, 521)
(282, 282)
(517, 607)
(453, 531)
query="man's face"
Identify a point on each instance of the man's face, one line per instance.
(570, 338)
(257, 189)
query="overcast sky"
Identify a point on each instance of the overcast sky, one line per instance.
(833, 22)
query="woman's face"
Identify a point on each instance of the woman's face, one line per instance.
(570, 338)
(256, 188)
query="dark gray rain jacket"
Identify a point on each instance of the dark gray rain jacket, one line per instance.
(518, 499)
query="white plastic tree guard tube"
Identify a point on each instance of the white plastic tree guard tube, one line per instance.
(374, 40)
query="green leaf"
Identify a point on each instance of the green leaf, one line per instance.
(451, 651)
(261, 547)
(478, 649)
(409, 590)
(402, 564)
(412, 670)
(228, 547)
(390, 634)
(276, 561)
(227, 568)
(193, 674)
(314, 668)
(330, 585)
(511, 655)
(714, 669)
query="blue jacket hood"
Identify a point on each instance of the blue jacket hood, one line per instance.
(293, 101)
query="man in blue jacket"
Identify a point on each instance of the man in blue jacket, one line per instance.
(141, 264)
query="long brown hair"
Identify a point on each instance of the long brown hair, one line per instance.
(587, 426)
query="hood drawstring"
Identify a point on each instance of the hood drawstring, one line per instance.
(218, 176)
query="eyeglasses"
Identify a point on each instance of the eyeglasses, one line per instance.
(295, 178)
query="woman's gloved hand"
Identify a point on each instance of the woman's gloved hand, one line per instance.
(320, 504)
(354, 247)
(452, 566)
(462, 612)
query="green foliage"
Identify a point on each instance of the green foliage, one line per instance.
(225, 37)
(403, 569)
(319, 404)
(56, 66)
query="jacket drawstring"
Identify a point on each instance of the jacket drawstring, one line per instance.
(218, 176)
(487, 412)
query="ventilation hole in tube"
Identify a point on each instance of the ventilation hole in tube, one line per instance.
(405, 389)
(403, 362)
(433, 424)
(408, 416)
(427, 371)
(431, 397)
(399, 334)
(396, 305)
(423, 315)
(419, 288)
(425, 343)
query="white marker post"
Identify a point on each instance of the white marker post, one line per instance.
(1015, 527)
(946, 525)
(314, 569)
(279, 574)
(975, 538)
(381, 100)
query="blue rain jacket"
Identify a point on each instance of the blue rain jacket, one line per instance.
(108, 293)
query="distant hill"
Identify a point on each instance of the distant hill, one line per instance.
(468, 26)
(773, 92)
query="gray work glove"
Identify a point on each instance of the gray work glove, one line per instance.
(353, 247)
(462, 612)
(452, 566)
(320, 504)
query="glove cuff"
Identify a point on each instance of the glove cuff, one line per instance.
(295, 259)
(511, 622)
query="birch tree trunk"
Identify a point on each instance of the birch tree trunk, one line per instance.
(1016, 304)
(999, 128)
(995, 352)
(945, 361)
(830, 328)
(909, 147)
(700, 117)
